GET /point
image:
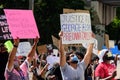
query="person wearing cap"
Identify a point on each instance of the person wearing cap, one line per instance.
(105, 70)
(15, 71)
(75, 69)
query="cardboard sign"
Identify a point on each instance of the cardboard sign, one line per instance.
(55, 41)
(21, 23)
(8, 44)
(4, 29)
(111, 43)
(107, 41)
(118, 70)
(42, 49)
(74, 11)
(76, 28)
(23, 49)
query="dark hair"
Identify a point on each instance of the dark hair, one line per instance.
(73, 48)
(1, 45)
(95, 58)
(80, 54)
(106, 57)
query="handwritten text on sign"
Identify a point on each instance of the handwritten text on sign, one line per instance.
(76, 27)
(23, 49)
(4, 29)
(21, 23)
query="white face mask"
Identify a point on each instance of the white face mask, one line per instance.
(111, 61)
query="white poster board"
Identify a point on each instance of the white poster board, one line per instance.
(95, 48)
(23, 49)
(76, 28)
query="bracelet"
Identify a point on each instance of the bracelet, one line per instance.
(15, 46)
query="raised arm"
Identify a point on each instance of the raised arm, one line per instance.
(33, 50)
(62, 51)
(12, 55)
(88, 54)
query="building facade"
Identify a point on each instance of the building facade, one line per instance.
(104, 12)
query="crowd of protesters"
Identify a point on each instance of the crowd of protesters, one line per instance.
(57, 64)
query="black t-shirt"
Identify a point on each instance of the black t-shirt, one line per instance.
(3, 61)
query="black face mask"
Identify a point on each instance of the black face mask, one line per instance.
(110, 58)
(75, 62)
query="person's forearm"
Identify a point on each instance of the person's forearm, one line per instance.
(108, 78)
(88, 54)
(32, 52)
(44, 69)
(12, 55)
(62, 53)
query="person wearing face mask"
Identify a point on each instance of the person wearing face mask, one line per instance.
(105, 70)
(14, 69)
(75, 69)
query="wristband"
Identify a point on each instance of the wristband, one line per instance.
(15, 46)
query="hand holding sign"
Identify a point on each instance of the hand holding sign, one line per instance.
(61, 34)
(36, 39)
(16, 42)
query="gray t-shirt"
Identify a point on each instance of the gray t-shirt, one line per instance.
(69, 73)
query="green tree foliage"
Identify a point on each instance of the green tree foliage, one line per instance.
(113, 29)
(15, 4)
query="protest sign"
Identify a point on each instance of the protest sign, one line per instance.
(8, 44)
(95, 47)
(107, 41)
(42, 49)
(23, 49)
(21, 23)
(65, 11)
(55, 41)
(76, 28)
(118, 70)
(4, 29)
(111, 43)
